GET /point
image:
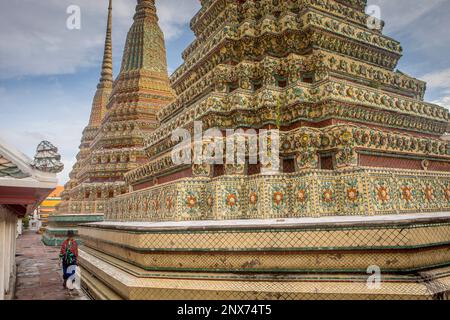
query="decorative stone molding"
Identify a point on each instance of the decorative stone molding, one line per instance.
(309, 193)
(202, 170)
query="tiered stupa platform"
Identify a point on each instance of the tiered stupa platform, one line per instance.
(301, 258)
(364, 179)
(60, 224)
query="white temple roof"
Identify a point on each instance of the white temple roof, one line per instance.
(25, 182)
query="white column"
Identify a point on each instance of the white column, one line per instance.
(2, 252)
(13, 243)
(7, 247)
(19, 227)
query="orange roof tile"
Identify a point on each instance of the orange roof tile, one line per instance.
(57, 192)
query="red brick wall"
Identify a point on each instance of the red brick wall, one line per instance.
(219, 170)
(254, 169)
(164, 179)
(326, 163)
(401, 163)
(288, 165)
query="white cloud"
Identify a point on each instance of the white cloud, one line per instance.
(421, 25)
(63, 177)
(175, 14)
(438, 79)
(35, 40)
(440, 82)
(399, 14)
(31, 113)
(444, 101)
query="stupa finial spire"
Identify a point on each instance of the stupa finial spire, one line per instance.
(151, 2)
(107, 66)
(145, 48)
(145, 8)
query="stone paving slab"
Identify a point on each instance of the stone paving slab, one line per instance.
(38, 275)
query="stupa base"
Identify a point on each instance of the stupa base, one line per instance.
(305, 258)
(113, 279)
(59, 224)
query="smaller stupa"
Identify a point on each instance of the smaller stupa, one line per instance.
(69, 212)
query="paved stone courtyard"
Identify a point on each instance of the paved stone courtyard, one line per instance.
(39, 276)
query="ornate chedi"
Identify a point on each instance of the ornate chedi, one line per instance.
(122, 114)
(75, 190)
(363, 185)
(82, 198)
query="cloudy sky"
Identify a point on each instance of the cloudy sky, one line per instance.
(48, 74)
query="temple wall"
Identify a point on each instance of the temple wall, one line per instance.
(8, 234)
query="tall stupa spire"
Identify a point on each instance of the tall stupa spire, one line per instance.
(79, 180)
(123, 113)
(144, 5)
(106, 79)
(140, 91)
(145, 47)
(104, 87)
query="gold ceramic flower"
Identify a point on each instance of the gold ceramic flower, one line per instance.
(253, 198)
(304, 139)
(346, 136)
(383, 194)
(447, 193)
(301, 195)
(328, 196)
(232, 200)
(191, 201)
(352, 194)
(407, 193)
(429, 193)
(278, 197)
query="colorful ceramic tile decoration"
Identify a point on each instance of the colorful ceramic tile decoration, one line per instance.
(364, 175)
